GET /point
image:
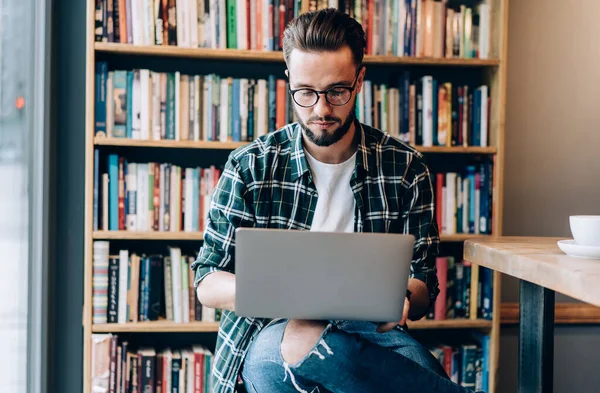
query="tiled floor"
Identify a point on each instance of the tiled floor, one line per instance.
(13, 279)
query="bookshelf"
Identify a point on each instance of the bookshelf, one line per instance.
(491, 71)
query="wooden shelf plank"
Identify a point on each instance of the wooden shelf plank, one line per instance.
(100, 141)
(132, 235)
(457, 150)
(271, 56)
(103, 141)
(193, 327)
(450, 324)
(156, 327)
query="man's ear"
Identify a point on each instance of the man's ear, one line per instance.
(361, 79)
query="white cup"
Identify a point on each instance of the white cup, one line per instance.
(585, 230)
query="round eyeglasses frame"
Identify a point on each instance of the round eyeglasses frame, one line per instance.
(317, 93)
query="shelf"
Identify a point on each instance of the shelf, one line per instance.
(450, 324)
(274, 57)
(457, 150)
(170, 144)
(156, 327)
(132, 235)
(199, 327)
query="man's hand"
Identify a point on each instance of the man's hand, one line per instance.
(386, 327)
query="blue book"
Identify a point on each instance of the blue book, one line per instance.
(434, 112)
(476, 131)
(96, 187)
(144, 289)
(236, 130)
(467, 370)
(471, 199)
(129, 127)
(120, 102)
(405, 102)
(487, 292)
(170, 118)
(484, 219)
(113, 187)
(251, 88)
(407, 27)
(100, 105)
(272, 102)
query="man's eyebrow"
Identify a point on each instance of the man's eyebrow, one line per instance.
(339, 83)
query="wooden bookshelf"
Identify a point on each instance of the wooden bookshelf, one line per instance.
(275, 57)
(170, 144)
(489, 71)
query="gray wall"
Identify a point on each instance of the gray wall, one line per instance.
(552, 166)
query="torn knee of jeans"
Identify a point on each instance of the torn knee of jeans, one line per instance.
(320, 349)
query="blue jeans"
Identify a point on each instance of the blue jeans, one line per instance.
(350, 357)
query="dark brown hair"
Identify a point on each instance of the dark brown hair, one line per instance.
(324, 30)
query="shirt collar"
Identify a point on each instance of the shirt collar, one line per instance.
(364, 156)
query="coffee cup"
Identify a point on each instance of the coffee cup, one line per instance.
(585, 230)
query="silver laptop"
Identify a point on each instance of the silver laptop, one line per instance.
(321, 275)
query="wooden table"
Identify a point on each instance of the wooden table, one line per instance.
(543, 269)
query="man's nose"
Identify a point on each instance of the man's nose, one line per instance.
(322, 108)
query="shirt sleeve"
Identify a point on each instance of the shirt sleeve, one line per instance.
(419, 216)
(228, 211)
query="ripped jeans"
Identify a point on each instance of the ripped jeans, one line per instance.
(350, 357)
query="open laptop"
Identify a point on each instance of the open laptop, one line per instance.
(321, 275)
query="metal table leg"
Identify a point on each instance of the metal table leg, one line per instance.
(536, 339)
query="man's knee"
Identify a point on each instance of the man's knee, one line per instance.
(299, 338)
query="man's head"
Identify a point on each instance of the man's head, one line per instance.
(323, 51)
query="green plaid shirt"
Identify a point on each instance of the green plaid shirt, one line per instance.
(268, 184)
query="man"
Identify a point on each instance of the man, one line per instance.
(328, 172)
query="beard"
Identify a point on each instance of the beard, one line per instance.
(326, 138)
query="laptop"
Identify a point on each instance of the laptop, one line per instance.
(321, 275)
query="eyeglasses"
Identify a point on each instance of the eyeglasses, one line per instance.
(337, 95)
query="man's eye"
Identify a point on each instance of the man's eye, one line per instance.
(336, 92)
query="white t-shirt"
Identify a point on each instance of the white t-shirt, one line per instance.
(335, 203)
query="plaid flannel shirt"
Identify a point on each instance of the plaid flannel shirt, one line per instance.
(268, 184)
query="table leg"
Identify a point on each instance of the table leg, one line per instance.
(536, 339)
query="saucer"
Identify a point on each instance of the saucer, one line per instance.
(573, 249)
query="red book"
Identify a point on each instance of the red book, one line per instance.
(280, 96)
(440, 178)
(439, 308)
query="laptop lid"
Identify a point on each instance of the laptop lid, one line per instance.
(321, 275)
